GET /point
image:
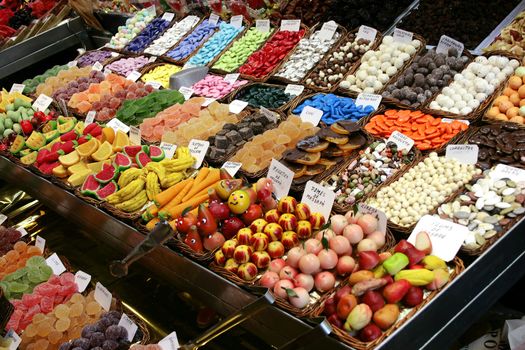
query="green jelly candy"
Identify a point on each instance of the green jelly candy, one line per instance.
(36, 261)
(16, 287)
(34, 276)
(396, 263)
(45, 272)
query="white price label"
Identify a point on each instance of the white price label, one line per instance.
(366, 99)
(446, 237)
(103, 296)
(328, 30)
(135, 137)
(446, 43)
(237, 106)
(55, 264)
(214, 19)
(117, 125)
(107, 71)
(269, 114)
(319, 198)
(294, 89)
(42, 102)
(291, 25)
(207, 101)
(402, 36)
(198, 149)
(154, 84)
(236, 21)
(379, 214)
(186, 92)
(90, 117)
(169, 149)
(168, 16)
(262, 25)
(133, 75)
(3, 218)
(312, 115)
(73, 63)
(465, 154)
(82, 280)
(171, 342)
(22, 231)
(503, 171)
(231, 78)
(114, 54)
(40, 243)
(232, 167)
(129, 325)
(16, 340)
(401, 140)
(152, 9)
(98, 66)
(152, 59)
(282, 178)
(367, 33)
(448, 121)
(17, 88)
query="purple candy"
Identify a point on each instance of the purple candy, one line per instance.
(152, 31)
(89, 58)
(124, 66)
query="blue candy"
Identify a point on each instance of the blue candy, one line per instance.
(152, 31)
(194, 40)
(215, 45)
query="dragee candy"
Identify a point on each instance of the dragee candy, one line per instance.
(134, 26)
(161, 74)
(51, 84)
(189, 44)
(91, 57)
(172, 36)
(267, 96)
(124, 66)
(215, 86)
(152, 31)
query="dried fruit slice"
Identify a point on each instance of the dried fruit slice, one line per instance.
(69, 159)
(345, 127)
(108, 173)
(90, 186)
(312, 144)
(316, 169)
(331, 136)
(105, 191)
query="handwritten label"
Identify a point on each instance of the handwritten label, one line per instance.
(3, 218)
(40, 243)
(135, 136)
(446, 43)
(207, 101)
(319, 198)
(168, 16)
(82, 280)
(107, 71)
(380, 215)
(402, 36)
(117, 125)
(446, 236)
(365, 99)
(186, 92)
(328, 30)
(294, 89)
(72, 64)
(42, 102)
(103, 296)
(17, 88)
(503, 171)
(169, 149)
(55, 264)
(291, 25)
(129, 325)
(22, 231)
(214, 19)
(367, 33)
(262, 25)
(232, 167)
(90, 117)
(98, 66)
(198, 149)
(114, 54)
(401, 140)
(236, 21)
(231, 78)
(311, 114)
(465, 154)
(16, 340)
(133, 76)
(282, 178)
(237, 106)
(171, 342)
(154, 84)
(271, 116)
(152, 59)
(448, 121)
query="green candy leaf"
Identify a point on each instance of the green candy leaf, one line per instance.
(290, 292)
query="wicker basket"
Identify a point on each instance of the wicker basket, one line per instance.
(178, 244)
(283, 108)
(93, 201)
(129, 217)
(124, 57)
(126, 52)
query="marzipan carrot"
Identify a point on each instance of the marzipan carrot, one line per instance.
(213, 176)
(150, 212)
(165, 196)
(176, 211)
(151, 224)
(163, 213)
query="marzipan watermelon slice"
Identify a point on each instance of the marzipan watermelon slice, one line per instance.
(90, 186)
(108, 173)
(105, 191)
(132, 150)
(122, 162)
(156, 153)
(142, 159)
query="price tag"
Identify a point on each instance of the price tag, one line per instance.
(42, 102)
(319, 198)
(129, 325)
(152, 59)
(134, 135)
(366, 99)
(168, 16)
(367, 33)
(114, 54)
(291, 25)
(379, 214)
(269, 114)
(294, 89)
(3, 218)
(17, 88)
(97, 66)
(72, 64)
(231, 78)
(90, 117)
(214, 19)
(171, 342)
(446, 237)
(465, 154)
(103, 296)
(328, 30)
(448, 121)
(232, 167)
(446, 42)
(236, 21)
(40, 243)
(152, 9)
(236, 106)
(282, 178)
(198, 149)
(503, 171)
(117, 125)
(402, 36)
(107, 71)
(133, 76)
(312, 115)
(207, 101)
(22, 231)
(169, 149)
(155, 84)
(55, 264)
(16, 340)
(82, 280)
(262, 25)
(401, 140)
(186, 92)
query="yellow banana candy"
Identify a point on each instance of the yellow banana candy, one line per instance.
(134, 203)
(127, 176)
(416, 277)
(432, 262)
(130, 191)
(158, 169)
(178, 164)
(152, 185)
(172, 179)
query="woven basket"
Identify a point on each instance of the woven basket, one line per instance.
(392, 79)
(93, 201)
(126, 52)
(178, 244)
(129, 217)
(343, 42)
(357, 344)
(283, 108)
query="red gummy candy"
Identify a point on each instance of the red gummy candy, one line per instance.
(66, 278)
(47, 290)
(54, 279)
(30, 300)
(47, 304)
